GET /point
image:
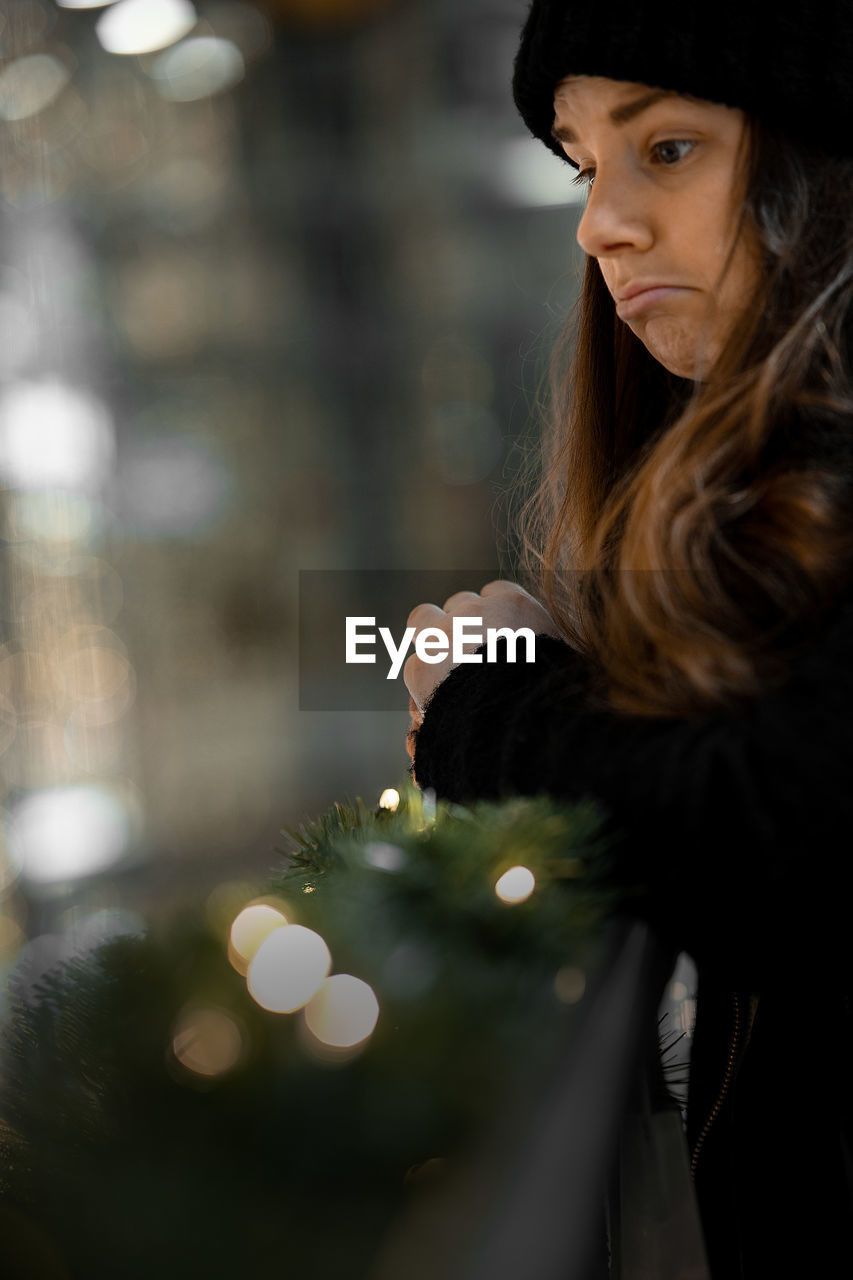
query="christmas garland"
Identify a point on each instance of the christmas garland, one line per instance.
(161, 1113)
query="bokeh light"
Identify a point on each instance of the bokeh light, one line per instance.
(251, 927)
(28, 85)
(207, 1041)
(527, 174)
(287, 969)
(171, 487)
(515, 885)
(54, 436)
(343, 1013)
(569, 984)
(383, 856)
(143, 26)
(61, 833)
(198, 68)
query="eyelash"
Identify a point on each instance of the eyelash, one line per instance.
(585, 177)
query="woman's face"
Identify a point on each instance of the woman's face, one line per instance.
(665, 191)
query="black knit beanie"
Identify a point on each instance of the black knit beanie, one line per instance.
(788, 62)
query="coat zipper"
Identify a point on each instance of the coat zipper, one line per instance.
(724, 1085)
(739, 1032)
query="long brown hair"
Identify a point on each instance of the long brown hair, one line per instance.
(689, 537)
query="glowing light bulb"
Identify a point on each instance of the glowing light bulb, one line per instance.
(515, 885)
(288, 968)
(250, 928)
(389, 799)
(343, 1012)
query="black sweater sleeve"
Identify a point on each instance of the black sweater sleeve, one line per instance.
(740, 825)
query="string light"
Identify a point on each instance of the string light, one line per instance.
(390, 799)
(515, 885)
(288, 968)
(343, 1013)
(250, 928)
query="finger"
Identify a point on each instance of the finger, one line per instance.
(512, 593)
(501, 586)
(462, 600)
(426, 615)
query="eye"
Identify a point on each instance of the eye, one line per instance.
(669, 152)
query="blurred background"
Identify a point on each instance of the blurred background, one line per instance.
(278, 281)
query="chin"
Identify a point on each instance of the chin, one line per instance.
(694, 371)
(680, 353)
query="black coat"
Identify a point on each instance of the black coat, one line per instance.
(741, 827)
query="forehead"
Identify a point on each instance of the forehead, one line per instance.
(582, 102)
(583, 93)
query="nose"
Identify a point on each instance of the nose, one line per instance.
(615, 219)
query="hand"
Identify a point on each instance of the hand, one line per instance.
(499, 604)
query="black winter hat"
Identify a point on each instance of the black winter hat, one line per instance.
(790, 62)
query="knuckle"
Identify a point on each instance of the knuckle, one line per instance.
(423, 615)
(461, 600)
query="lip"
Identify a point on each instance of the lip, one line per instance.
(638, 297)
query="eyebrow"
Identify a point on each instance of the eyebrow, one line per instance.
(623, 113)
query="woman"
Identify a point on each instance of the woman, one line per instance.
(694, 667)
